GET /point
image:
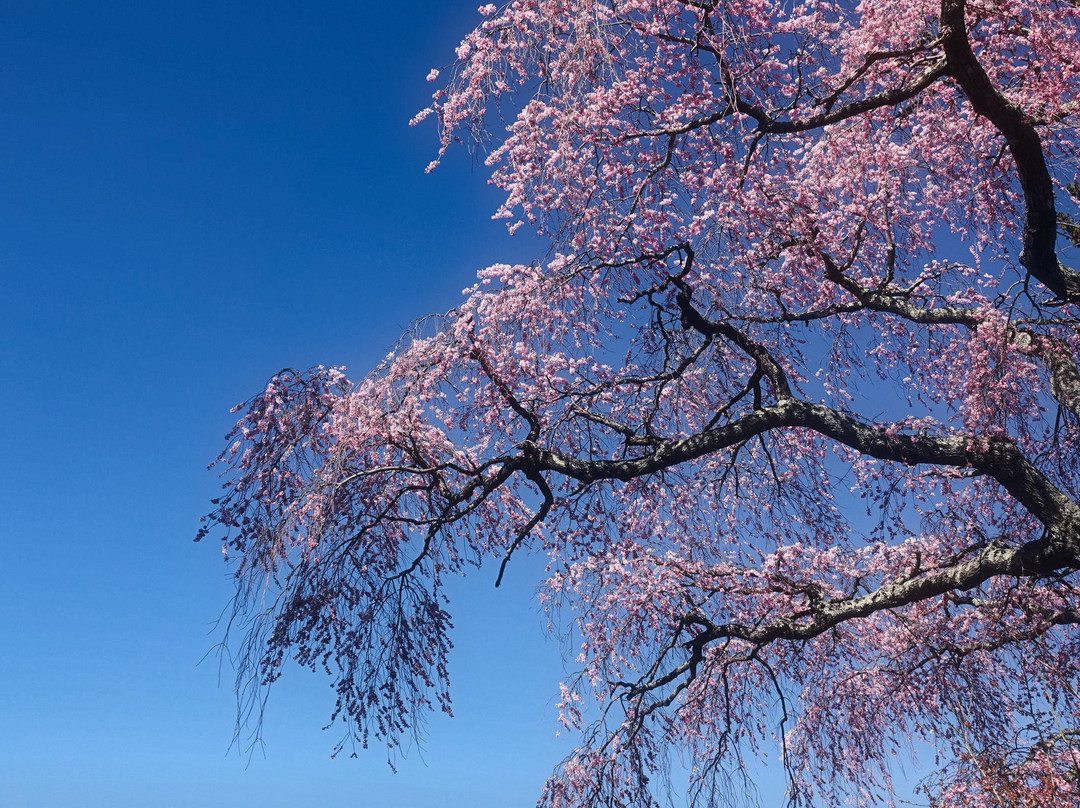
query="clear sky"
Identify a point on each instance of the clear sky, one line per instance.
(194, 195)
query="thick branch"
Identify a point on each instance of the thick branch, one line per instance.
(888, 98)
(998, 458)
(767, 124)
(992, 562)
(1039, 254)
(892, 303)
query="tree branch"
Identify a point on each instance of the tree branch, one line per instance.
(996, 457)
(1039, 253)
(991, 562)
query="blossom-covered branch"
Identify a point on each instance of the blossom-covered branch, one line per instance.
(792, 409)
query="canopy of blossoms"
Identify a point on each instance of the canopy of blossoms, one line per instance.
(792, 407)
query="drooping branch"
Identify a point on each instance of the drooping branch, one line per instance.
(537, 518)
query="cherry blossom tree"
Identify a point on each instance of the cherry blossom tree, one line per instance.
(791, 407)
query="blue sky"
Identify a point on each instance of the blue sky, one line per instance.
(194, 195)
